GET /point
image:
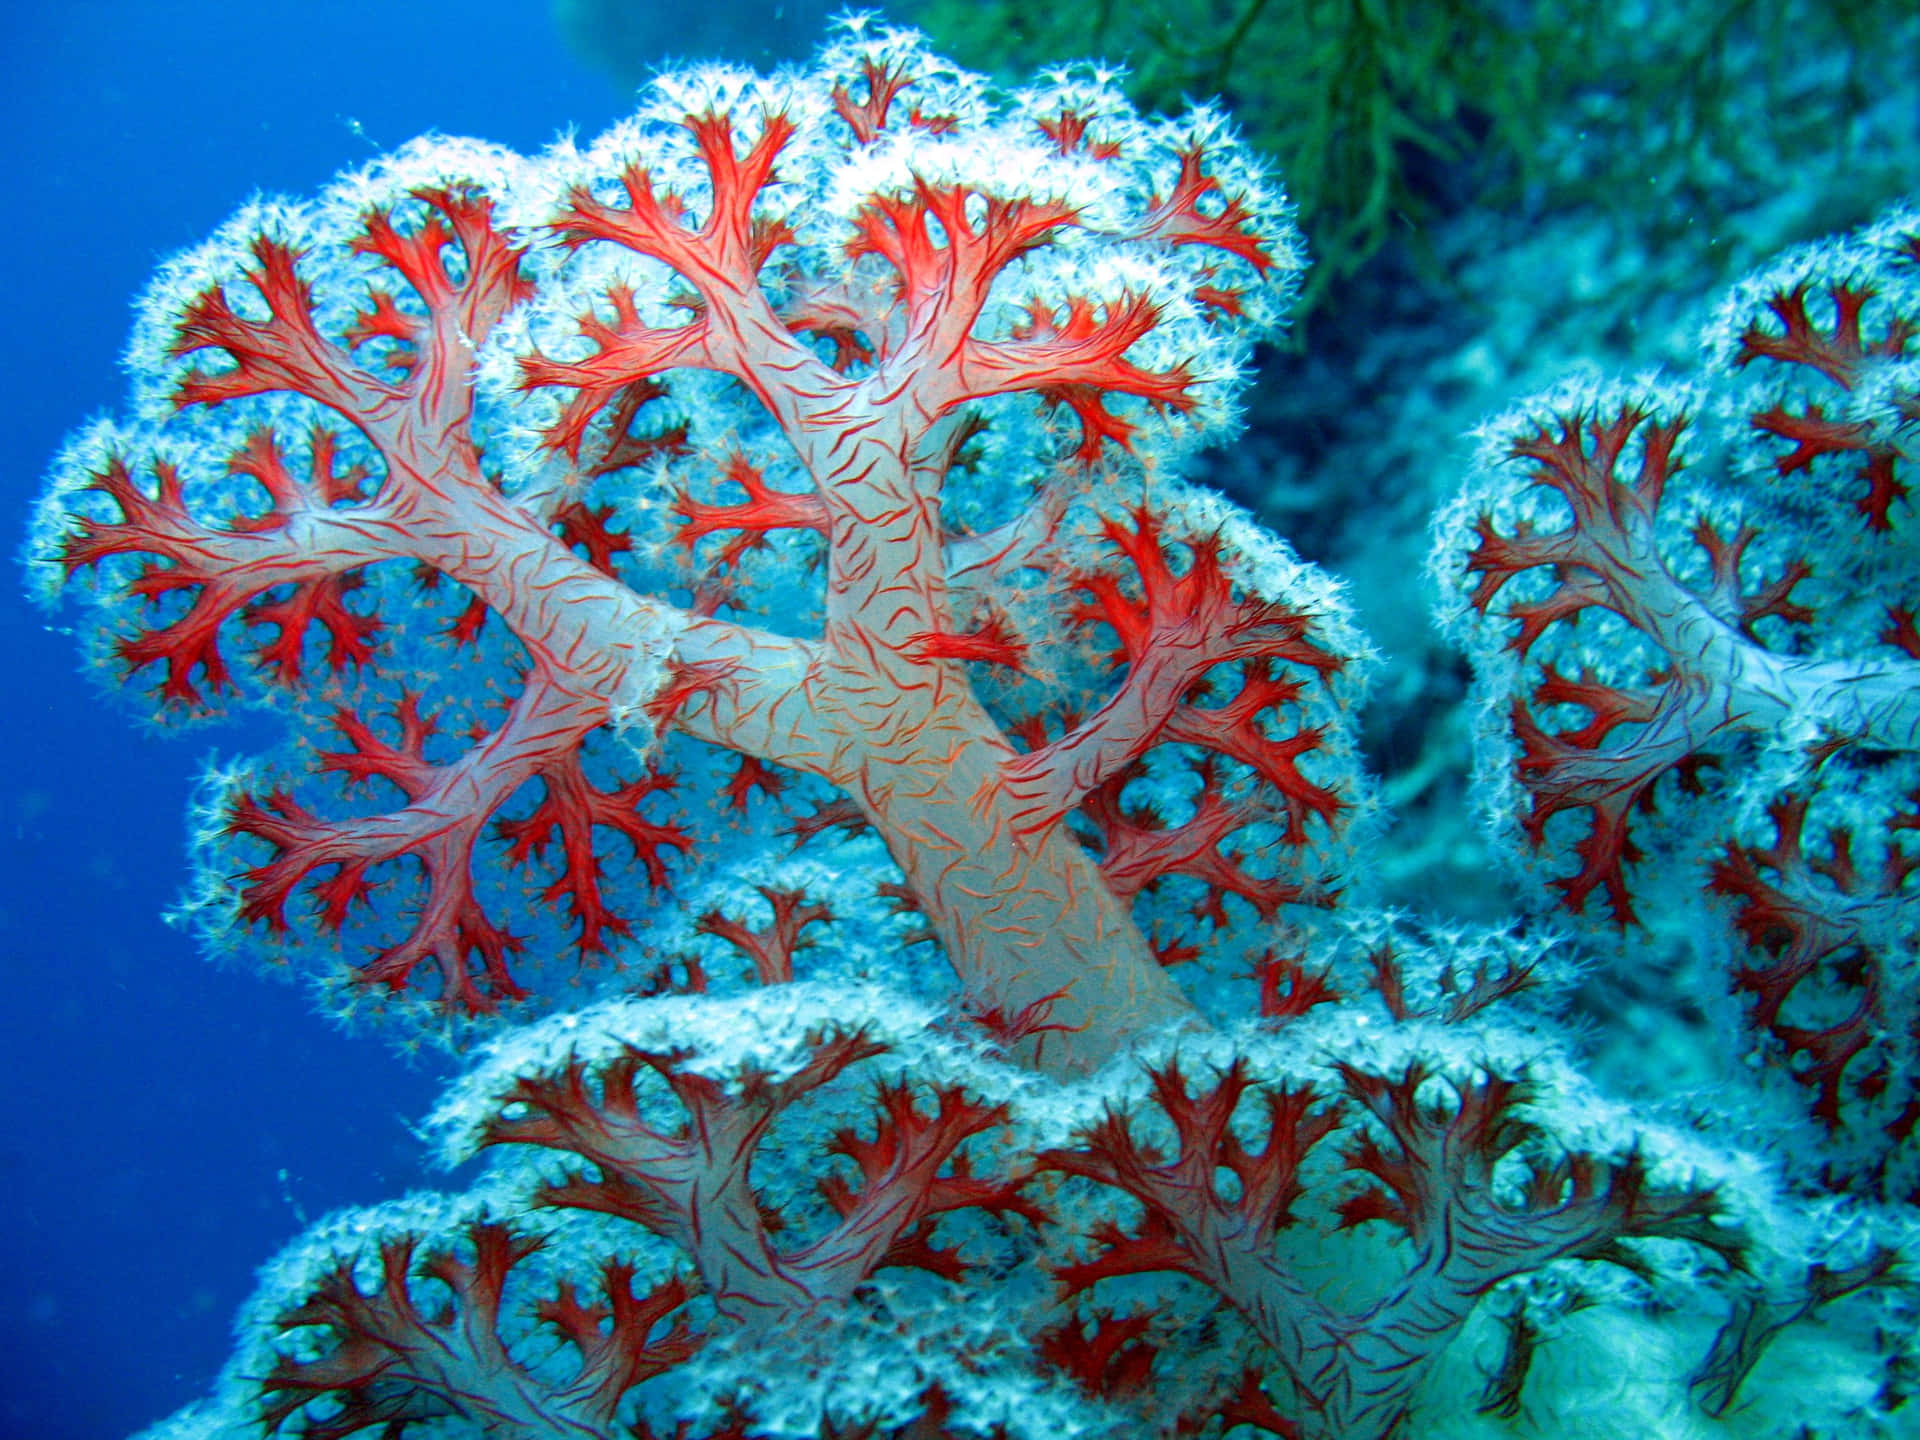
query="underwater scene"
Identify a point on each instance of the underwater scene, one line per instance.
(968, 720)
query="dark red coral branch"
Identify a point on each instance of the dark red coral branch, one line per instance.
(910, 1173)
(771, 947)
(1607, 557)
(384, 1361)
(1432, 1166)
(1814, 927)
(1435, 1180)
(1578, 769)
(693, 1184)
(1185, 1204)
(1138, 848)
(1112, 1362)
(1836, 350)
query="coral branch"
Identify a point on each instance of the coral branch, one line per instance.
(1077, 362)
(387, 1363)
(1181, 627)
(1717, 677)
(448, 807)
(694, 1186)
(317, 534)
(1434, 1178)
(1228, 225)
(765, 509)
(772, 947)
(1817, 928)
(734, 329)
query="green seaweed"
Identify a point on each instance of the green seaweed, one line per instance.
(1383, 115)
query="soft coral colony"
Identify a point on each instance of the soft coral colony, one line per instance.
(899, 851)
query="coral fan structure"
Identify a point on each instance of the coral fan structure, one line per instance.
(897, 852)
(1691, 609)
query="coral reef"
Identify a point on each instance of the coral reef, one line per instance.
(897, 850)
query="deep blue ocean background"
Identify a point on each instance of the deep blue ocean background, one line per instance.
(169, 1125)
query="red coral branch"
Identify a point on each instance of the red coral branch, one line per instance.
(1251, 1405)
(1078, 362)
(1068, 131)
(772, 947)
(1437, 1184)
(1180, 628)
(944, 282)
(574, 808)
(287, 352)
(615, 1340)
(387, 1363)
(1179, 219)
(1239, 730)
(885, 81)
(1835, 351)
(1598, 556)
(461, 313)
(730, 246)
(1811, 925)
(721, 260)
(626, 350)
(315, 536)
(693, 1185)
(448, 807)
(992, 641)
(587, 529)
(765, 509)
(1006, 1031)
